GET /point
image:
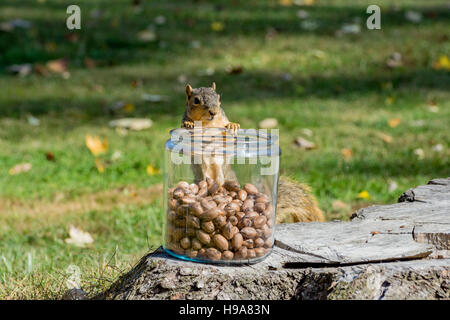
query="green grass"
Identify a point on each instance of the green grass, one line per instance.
(340, 89)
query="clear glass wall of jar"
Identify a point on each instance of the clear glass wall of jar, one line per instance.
(220, 194)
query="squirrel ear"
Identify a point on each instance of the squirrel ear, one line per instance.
(189, 90)
(213, 86)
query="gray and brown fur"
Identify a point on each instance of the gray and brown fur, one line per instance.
(295, 201)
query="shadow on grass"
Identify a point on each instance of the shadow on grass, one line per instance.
(246, 87)
(109, 28)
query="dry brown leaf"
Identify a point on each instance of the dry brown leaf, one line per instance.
(304, 144)
(268, 123)
(19, 168)
(50, 156)
(57, 66)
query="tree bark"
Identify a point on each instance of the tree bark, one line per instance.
(398, 251)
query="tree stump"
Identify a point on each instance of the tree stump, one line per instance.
(399, 251)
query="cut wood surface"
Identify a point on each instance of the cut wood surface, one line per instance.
(398, 251)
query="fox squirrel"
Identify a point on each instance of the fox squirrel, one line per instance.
(295, 202)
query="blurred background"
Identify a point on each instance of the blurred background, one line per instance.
(363, 115)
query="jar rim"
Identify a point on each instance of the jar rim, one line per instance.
(221, 141)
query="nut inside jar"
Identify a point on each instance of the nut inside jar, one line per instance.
(219, 223)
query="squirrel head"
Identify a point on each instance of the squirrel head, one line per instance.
(202, 103)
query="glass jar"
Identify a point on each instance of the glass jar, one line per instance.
(220, 194)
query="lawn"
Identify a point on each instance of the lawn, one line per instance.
(379, 127)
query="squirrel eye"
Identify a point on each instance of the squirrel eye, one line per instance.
(196, 101)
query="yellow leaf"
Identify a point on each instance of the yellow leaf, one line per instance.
(308, 2)
(364, 195)
(347, 153)
(217, 26)
(95, 145)
(128, 107)
(151, 170)
(389, 100)
(285, 3)
(394, 122)
(19, 168)
(99, 165)
(442, 63)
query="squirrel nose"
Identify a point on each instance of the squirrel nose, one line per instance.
(212, 113)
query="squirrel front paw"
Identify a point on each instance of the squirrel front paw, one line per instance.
(188, 124)
(233, 126)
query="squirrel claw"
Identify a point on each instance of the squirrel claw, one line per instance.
(188, 124)
(233, 126)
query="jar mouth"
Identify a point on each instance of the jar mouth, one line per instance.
(220, 141)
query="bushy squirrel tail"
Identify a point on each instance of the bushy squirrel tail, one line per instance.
(296, 203)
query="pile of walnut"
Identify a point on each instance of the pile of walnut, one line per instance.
(210, 222)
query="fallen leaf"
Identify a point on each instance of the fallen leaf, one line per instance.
(147, 35)
(413, 16)
(116, 155)
(374, 233)
(99, 165)
(389, 100)
(307, 132)
(443, 63)
(160, 20)
(33, 121)
(49, 156)
(364, 195)
(151, 170)
(385, 137)
(438, 147)
(309, 25)
(285, 3)
(136, 124)
(20, 168)
(394, 122)
(268, 123)
(154, 97)
(217, 26)
(350, 28)
(418, 123)
(78, 237)
(304, 144)
(57, 66)
(392, 186)
(302, 14)
(89, 63)
(95, 145)
(394, 60)
(234, 70)
(129, 107)
(40, 70)
(419, 153)
(339, 205)
(347, 153)
(195, 44)
(20, 69)
(136, 83)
